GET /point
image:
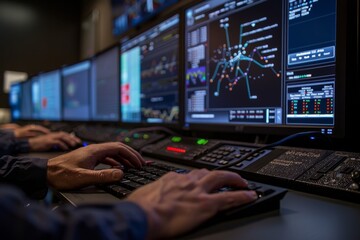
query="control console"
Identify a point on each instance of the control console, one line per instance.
(180, 149)
(330, 173)
(324, 172)
(201, 152)
(140, 140)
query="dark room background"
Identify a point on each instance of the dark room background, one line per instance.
(37, 36)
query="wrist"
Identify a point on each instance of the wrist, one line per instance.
(154, 225)
(51, 172)
(22, 146)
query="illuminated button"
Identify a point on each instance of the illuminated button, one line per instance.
(176, 139)
(146, 136)
(202, 141)
(136, 135)
(127, 140)
(175, 149)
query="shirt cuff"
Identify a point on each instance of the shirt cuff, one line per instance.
(7, 134)
(22, 146)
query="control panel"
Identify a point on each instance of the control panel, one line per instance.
(330, 173)
(180, 149)
(140, 140)
(203, 152)
(324, 172)
(225, 154)
(338, 171)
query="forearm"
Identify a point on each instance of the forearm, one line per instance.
(9, 145)
(28, 174)
(20, 220)
(6, 133)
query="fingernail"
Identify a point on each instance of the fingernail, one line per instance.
(116, 174)
(253, 195)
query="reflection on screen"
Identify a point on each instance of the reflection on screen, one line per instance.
(105, 86)
(149, 75)
(50, 96)
(76, 81)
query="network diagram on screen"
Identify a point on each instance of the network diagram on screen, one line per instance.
(248, 65)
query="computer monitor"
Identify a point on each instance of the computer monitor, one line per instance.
(75, 91)
(15, 101)
(105, 90)
(149, 75)
(265, 66)
(26, 101)
(129, 14)
(48, 96)
(35, 98)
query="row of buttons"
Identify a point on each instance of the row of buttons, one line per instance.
(227, 154)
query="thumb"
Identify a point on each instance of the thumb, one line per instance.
(102, 176)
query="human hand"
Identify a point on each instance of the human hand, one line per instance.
(176, 203)
(10, 126)
(29, 131)
(55, 140)
(76, 169)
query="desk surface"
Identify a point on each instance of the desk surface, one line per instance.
(301, 216)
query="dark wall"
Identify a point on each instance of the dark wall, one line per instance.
(37, 35)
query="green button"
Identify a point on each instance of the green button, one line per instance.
(202, 141)
(136, 135)
(146, 136)
(127, 140)
(176, 139)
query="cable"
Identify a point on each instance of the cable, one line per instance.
(281, 141)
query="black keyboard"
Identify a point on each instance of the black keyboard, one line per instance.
(269, 196)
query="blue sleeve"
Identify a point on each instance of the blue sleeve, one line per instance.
(21, 219)
(28, 174)
(9, 145)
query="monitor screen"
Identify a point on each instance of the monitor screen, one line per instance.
(48, 100)
(75, 91)
(15, 101)
(26, 101)
(128, 14)
(35, 98)
(262, 64)
(149, 75)
(105, 101)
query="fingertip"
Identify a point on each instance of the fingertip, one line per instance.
(245, 182)
(142, 162)
(252, 195)
(117, 174)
